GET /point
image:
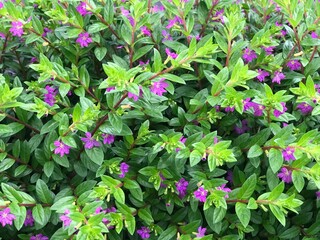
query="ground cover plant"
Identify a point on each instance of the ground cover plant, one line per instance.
(175, 119)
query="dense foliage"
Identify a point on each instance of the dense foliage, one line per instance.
(146, 119)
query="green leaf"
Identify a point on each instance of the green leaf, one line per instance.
(275, 159)
(255, 151)
(48, 168)
(64, 203)
(20, 213)
(130, 224)
(96, 27)
(115, 121)
(145, 215)
(195, 157)
(63, 161)
(39, 214)
(11, 193)
(252, 204)
(243, 213)
(290, 233)
(278, 214)
(119, 195)
(141, 52)
(49, 126)
(43, 192)
(173, 78)
(298, 180)
(157, 63)
(276, 192)
(168, 234)
(96, 155)
(248, 187)
(100, 52)
(64, 88)
(218, 214)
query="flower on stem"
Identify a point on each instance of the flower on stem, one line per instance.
(268, 50)
(201, 232)
(244, 127)
(144, 232)
(278, 77)
(171, 54)
(65, 218)
(249, 55)
(262, 75)
(16, 28)
(159, 87)
(108, 138)
(145, 31)
(6, 217)
(61, 148)
(183, 140)
(285, 175)
(288, 154)
(201, 194)
(314, 35)
(124, 168)
(89, 141)
(29, 221)
(277, 112)
(81, 8)
(49, 97)
(294, 65)
(224, 189)
(166, 35)
(84, 39)
(39, 237)
(182, 186)
(305, 108)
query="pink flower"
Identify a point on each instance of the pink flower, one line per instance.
(249, 55)
(157, 8)
(182, 186)
(159, 87)
(108, 138)
(224, 189)
(268, 50)
(229, 109)
(288, 154)
(262, 75)
(277, 112)
(124, 168)
(84, 39)
(39, 237)
(49, 97)
(6, 217)
(294, 65)
(144, 232)
(145, 31)
(109, 89)
(81, 8)
(201, 194)
(61, 148)
(244, 127)
(201, 232)
(65, 218)
(1, 5)
(278, 76)
(285, 175)
(167, 36)
(89, 141)
(318, 194)
(314, 35)
(305, 108)
(16, 28)
(171, 54)
(29, 221)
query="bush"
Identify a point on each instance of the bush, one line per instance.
(159, 119)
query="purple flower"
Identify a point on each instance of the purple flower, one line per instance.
(285, 175)
(159, 87)
(134, 96)
(229, 109)
(6, 217)
(262, 75)
(277, 112)
(171, 54)
(1, 5)
(157, 8)
(283, 32)
(314, 35)
(39, 237)
(61, 148)
(244, 127)
(84, 39)
(65, 219)
(278, 76)
(99, 210)
(173, 21)
(318, 194)
(201, 194)
(144, 232)
(49, 97)
(109, 89)
(201, 232)
(249, 55)
(183, 140)
(305, 108)
(89, 141)
(294, 65)
(108, 138)
(126, 13)
(219, 16)
(268, 50)
(225, 189)
(111, 209)
(141, 63)
(16, 28)
(278, 24)
(2, 35)
(167, 36)
(46, 31)
(288, 154)
(81, 8)
(29, 221)
(257, 108)
(145, 31)
(124, 168)
(33, 60)
(182, 186)
(229, 176)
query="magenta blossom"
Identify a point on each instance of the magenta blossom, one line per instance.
(183, 140)
(262, 75)
(244, 127)
(108, 138)
(277, 112)
(171, 54)
(305, 108)
(109, 89)
(201, 194)
(145, 31)
(285, 175)
(6, 217)
(288, 154)
(268, 50)
(201, 232)
(166, 35)
(16, 28)
(182, 186)
(49, 97)
(224, 189)
(229, 109)
(294, 65)
(159, 87)
(318, 194)
(39, 237)
(124, 168)
(29, 221)
(81, 8)
(84, 39)
(314, 35)
(278, 77)
(61, 148)
(89, 141)
(65, 218)
(249, 55)
(144, 232)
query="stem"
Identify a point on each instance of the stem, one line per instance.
(214, 3)
(21, 122)
(229, 51)
(27, 205)
(315, 49)
(131, 49)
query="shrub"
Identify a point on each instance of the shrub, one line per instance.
(159, 119)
